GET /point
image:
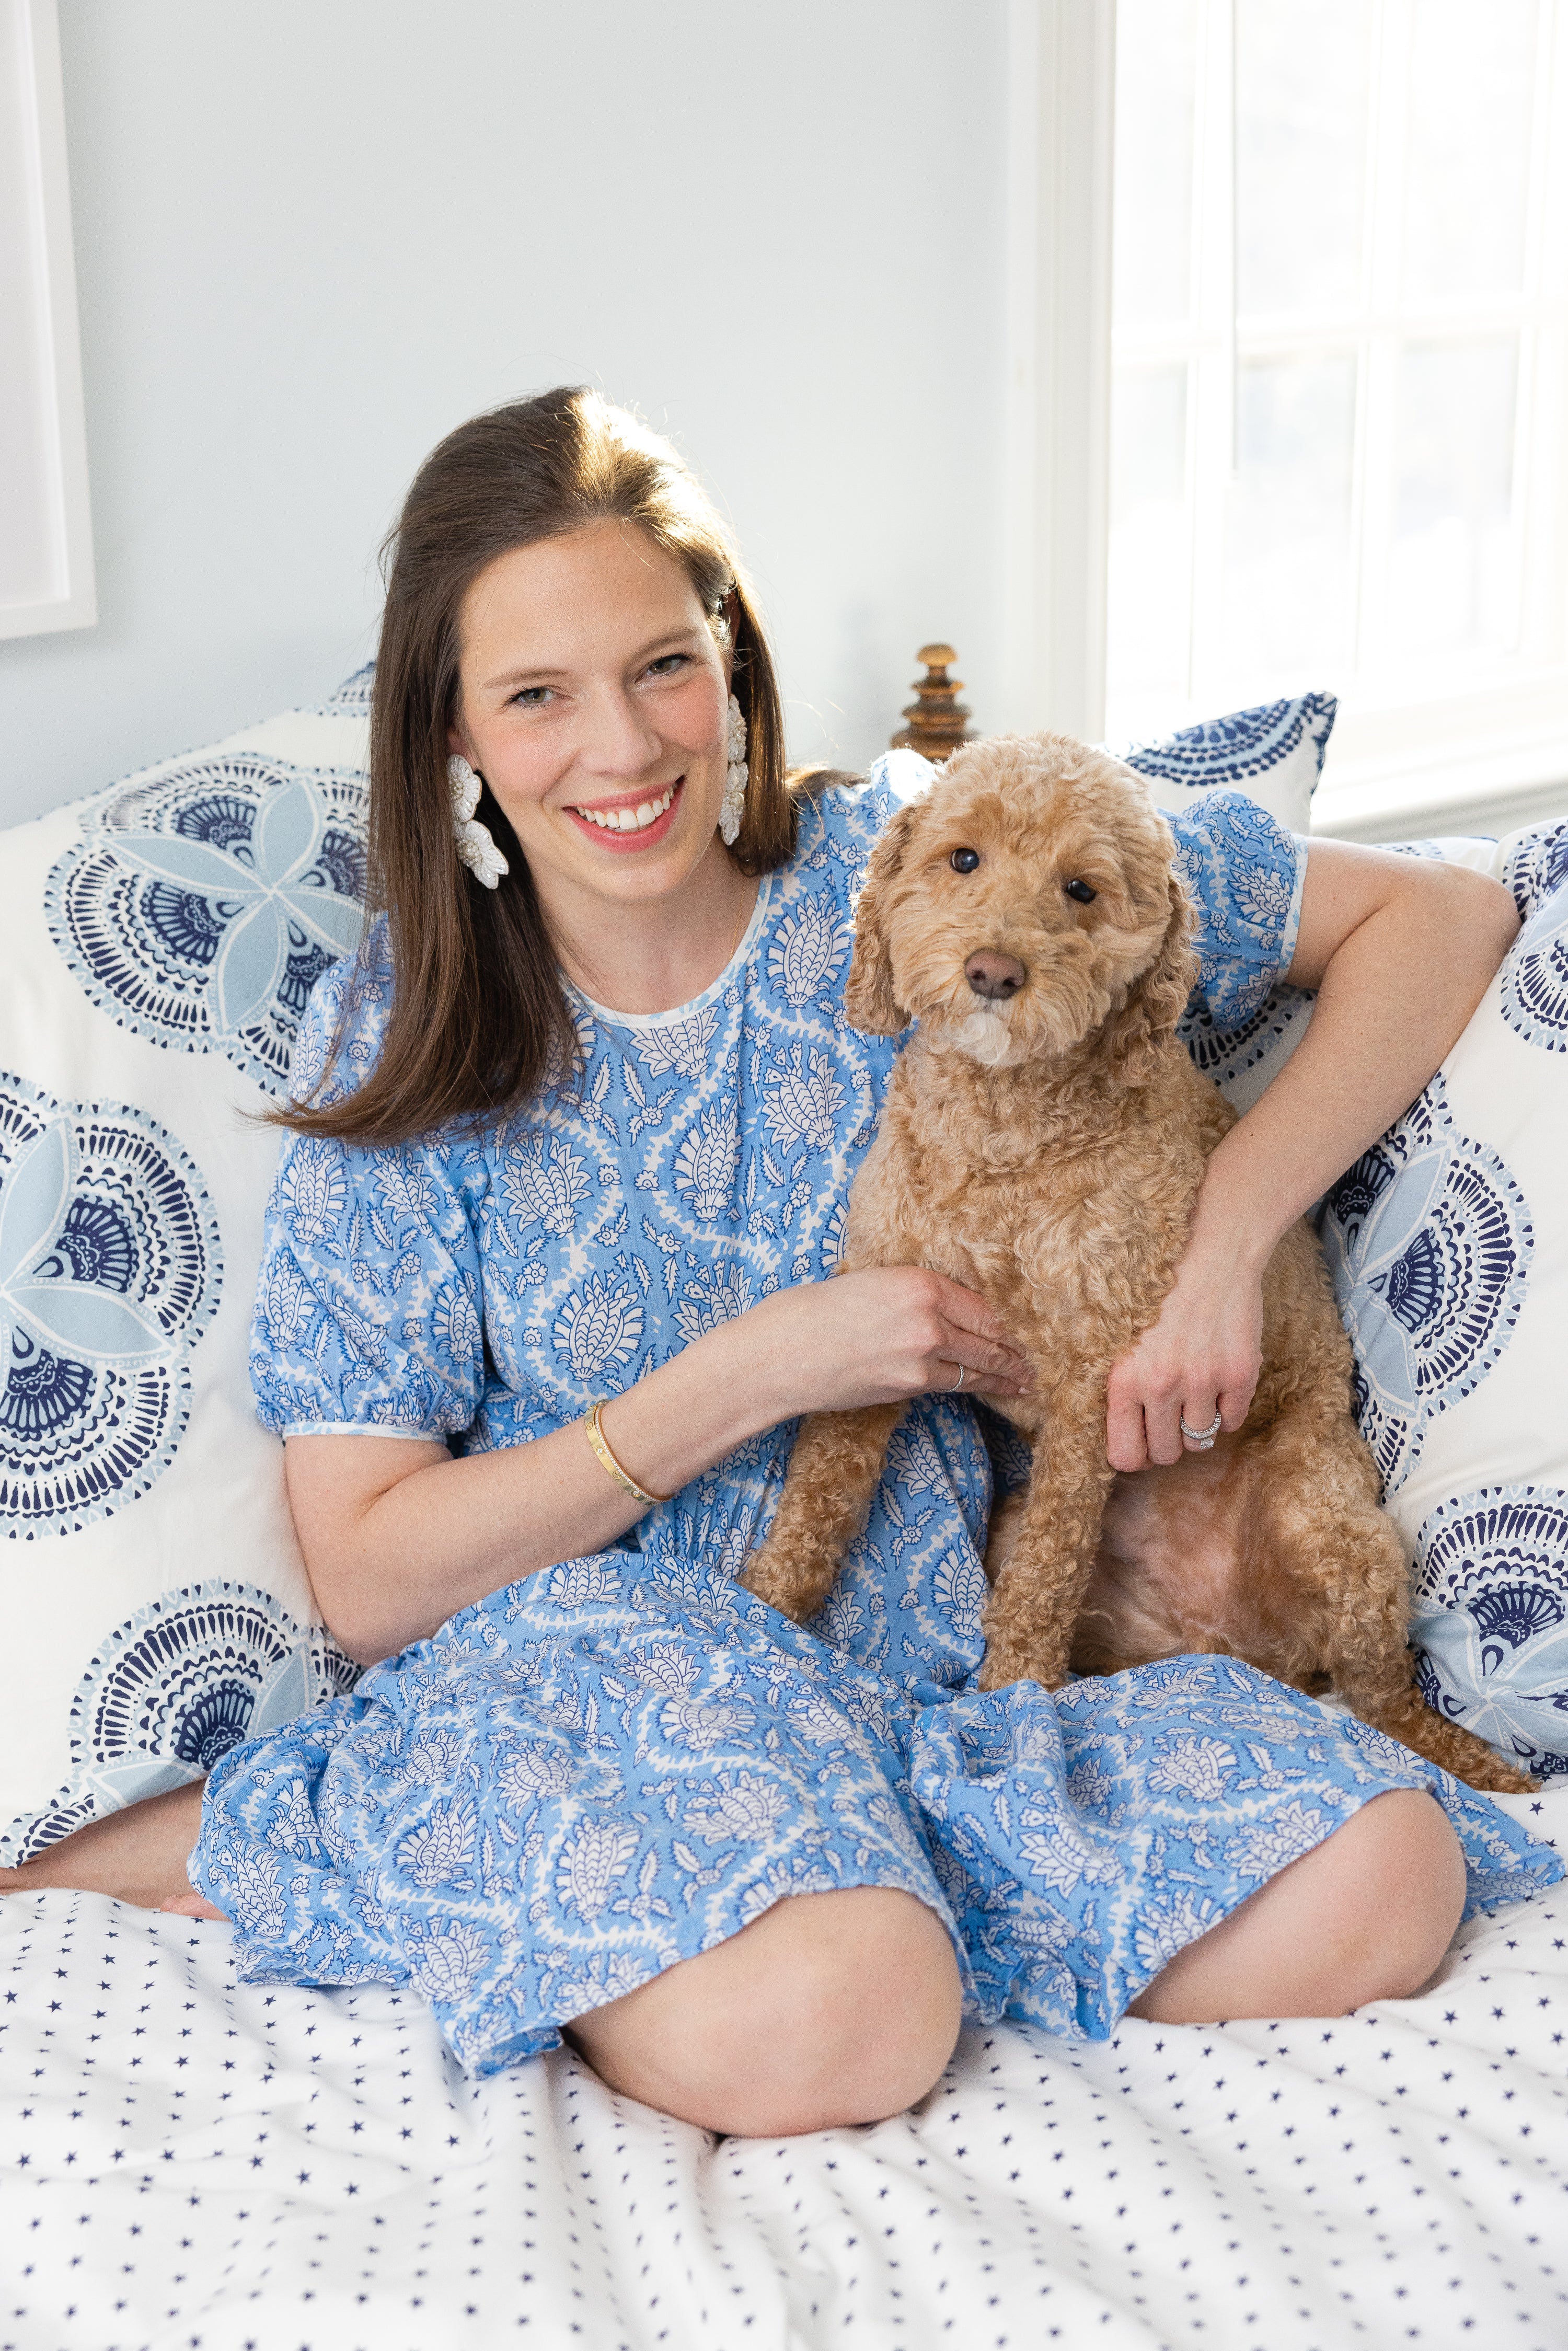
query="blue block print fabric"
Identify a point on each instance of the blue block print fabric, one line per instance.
(110, 1271)
(200, 909)
(1428, 1240)
(621, 1762)
(1491, 1624)
(1243, 747)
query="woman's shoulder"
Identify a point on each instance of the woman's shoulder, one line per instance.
(842, 816)
(344, 1021)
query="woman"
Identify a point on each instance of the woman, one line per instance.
(569, 1155)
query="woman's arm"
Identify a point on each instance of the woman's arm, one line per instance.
(1400, 950)
(397, 1535)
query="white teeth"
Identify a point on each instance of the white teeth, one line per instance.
(627, 820)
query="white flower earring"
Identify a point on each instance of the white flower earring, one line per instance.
(475, 843)
(731, 806)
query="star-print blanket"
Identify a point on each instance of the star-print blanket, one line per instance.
(619, 1763)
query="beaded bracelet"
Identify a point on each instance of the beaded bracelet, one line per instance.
(607, 1462)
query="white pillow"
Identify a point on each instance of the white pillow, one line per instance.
(1274, 754)
(157, 942)
(1449, 1246)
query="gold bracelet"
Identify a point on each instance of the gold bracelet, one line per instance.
(607, 1462)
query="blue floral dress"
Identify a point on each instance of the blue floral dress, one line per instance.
(620, 1760)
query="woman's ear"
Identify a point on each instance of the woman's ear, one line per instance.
(870, 998)
(1157, 997)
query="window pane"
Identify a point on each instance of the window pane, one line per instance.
(1157, 50)
(1300, 152)
(1289, 589)
(1149, 558)
(1453, 569)
(1467, 146)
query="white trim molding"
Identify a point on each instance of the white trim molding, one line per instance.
(1478, 761)
(1061, 69)
(46, 540)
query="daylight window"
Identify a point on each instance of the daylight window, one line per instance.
(1340, 403)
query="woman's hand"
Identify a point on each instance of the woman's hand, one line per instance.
(1201, 1357)
(397, 1535)
(884, 1334)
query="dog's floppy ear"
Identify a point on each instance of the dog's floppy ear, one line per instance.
(869, 999)
(1157, 998)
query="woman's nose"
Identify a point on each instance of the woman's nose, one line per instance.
(994, 977)
(616, 740)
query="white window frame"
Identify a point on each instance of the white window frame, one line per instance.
(1485, 759)
(39, 321)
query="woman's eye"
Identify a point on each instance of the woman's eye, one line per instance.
(667, 664)
(530, 697)
(964, 860)
(1081, 892)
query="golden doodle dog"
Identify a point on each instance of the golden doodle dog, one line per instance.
(1042, 1142)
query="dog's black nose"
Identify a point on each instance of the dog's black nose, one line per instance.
(995, 977)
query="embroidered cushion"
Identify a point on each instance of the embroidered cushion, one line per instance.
(1274, 754)
(157, 944)
(1448, 1245)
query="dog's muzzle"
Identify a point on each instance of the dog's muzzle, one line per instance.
(996, 978)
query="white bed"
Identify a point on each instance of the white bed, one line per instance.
(192, 2163)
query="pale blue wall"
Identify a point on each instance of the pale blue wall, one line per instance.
(312, 235)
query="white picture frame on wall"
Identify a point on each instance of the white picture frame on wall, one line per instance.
(45, 521)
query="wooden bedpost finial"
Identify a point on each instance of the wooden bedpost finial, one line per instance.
(937, 719)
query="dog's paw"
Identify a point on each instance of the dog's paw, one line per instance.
(1497, 1778)
(780, 1582)
(1468, 1758)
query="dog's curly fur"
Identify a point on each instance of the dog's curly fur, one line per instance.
(1047, 1152)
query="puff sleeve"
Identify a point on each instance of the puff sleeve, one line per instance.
(369, 1313)
(1244, 872)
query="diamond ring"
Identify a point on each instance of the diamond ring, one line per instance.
(1201, 1439)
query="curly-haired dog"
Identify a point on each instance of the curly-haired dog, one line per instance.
(1042, 1142)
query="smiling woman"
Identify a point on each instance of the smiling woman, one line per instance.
(550, 1240)
(561, 526)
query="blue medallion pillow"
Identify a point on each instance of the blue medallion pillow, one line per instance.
(1274, 753)
(1448, 1245)
(157, 944)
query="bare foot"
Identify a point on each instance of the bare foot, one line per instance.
(138, 1854)
(193, 1905)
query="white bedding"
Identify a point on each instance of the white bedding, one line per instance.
(189, 2163)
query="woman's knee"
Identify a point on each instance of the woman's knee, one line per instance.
(1366, 1915)
(865, 2015)
(830, 2008)
(1398, 1880)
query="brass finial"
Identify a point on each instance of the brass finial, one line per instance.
(937, 719)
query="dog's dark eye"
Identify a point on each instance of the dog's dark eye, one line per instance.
(964, 860)
(1081, 892)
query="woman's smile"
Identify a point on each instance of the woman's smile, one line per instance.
(631, 821)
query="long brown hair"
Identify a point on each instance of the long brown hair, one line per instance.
(480, 1024)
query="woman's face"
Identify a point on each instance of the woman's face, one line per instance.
(593, 701)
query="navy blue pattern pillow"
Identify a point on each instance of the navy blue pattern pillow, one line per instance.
(1449, 1243)
(158, 941)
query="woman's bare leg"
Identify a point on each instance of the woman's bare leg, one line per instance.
(829, 2009)
(138, 1854)
(1366, 1915)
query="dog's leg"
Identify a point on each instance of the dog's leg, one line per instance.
(1323, 1531)
(1051, 1544)
(1002, 1535)
(833, 1475)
